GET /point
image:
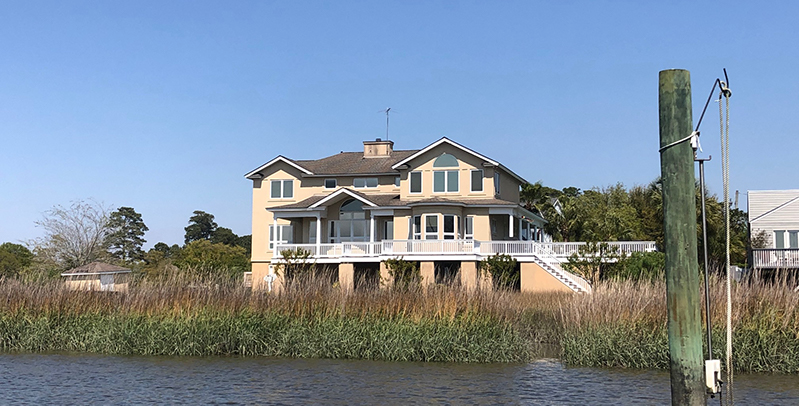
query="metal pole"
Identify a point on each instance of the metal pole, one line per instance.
(704, 248)
(679, 226)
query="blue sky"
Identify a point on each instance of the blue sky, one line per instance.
(164, 106)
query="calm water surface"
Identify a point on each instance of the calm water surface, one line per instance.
(40, 379)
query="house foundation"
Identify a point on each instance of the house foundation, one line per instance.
(346, 276)
(536, 279)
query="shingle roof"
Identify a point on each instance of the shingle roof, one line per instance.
(97, 268)
(393, 200)
(354, 163)
(378, 199)
(464, 201)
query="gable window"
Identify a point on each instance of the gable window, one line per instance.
(468, 228)
(431, 227)
(445, 161)
(445, 181)
(416, 182)
(330, 183)
(449, 226)
(360, 183)
(284, 235)
(282, 189)
(352, 224)
(477, 180)
(496, 183)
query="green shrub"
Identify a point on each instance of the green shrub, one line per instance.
(504, 270)
(404, 274)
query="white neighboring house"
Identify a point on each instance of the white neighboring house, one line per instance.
(775, 213)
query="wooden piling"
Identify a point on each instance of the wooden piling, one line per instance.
(679, 223)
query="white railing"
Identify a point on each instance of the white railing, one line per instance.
(550, 258)
(347, 249)
(556, 252)
(564, 250)
(775, 258)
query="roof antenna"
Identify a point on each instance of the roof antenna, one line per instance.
(386, 111)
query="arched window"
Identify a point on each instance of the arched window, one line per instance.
(351, 225)
(445, 181)
(445, 161)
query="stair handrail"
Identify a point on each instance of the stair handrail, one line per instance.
(547, 256)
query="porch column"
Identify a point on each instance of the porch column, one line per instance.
(274, 234)
(521, 225)
(510, 225)
(371, 226)
(318, 233)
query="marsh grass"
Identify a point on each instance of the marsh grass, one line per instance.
(219, 317)
(622, 324)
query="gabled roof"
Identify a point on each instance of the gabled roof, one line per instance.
(445, 140)
(343, 191)
(774, 209)
(344, 163)
(279, 158)
(354, 163)
(96, 268)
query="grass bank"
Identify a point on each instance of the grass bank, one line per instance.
(623, 324)
(224, 319)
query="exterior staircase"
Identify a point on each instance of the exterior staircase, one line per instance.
(547, 260)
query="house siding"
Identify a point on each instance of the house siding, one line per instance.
(760, 202)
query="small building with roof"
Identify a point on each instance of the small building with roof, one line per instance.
(98, 276)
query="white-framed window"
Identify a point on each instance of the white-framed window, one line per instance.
(786, 239)
(360, 183)
(388, 230)
(397, 181)
(312, 232)
(416, 182)
(352, 224)
(330, 183)
(468, 228)
(416, 227)
(494, 231)
(496, 182)
(431, 227)
(445, 181)
(285, 234)
(445, 161)
(450, 231)
(282, 189)
(477, 180)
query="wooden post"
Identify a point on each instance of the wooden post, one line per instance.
(679, 224)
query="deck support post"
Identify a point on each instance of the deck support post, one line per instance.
(679, 224)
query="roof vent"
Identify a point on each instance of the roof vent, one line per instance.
(377, 148)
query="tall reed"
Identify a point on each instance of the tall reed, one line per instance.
(212, 317)
(622, 324)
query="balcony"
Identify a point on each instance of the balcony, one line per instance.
(787, 258)
(466, 249)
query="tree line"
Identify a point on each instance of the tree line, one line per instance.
(615, 213)
(88, 231)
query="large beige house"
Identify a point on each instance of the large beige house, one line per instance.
(445, 206)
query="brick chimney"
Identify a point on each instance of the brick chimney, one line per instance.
(377, 148)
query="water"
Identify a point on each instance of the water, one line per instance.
(99, 379)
